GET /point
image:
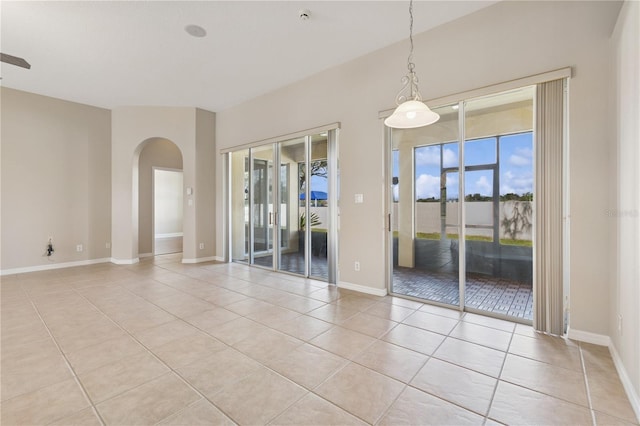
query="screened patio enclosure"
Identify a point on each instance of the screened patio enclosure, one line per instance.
(461, 214)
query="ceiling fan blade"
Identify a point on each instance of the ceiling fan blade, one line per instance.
(14, 60)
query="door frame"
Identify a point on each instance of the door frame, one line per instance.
(462, 223)
(153, 203)
(332, 131)
(461, 213)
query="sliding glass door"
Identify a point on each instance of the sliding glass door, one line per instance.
(316, 201)
(284, 216)
(462, 215)
(425, 218)
(262, 205)
(239, 205)
(499, 192)
(292, 221)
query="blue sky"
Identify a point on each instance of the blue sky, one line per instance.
(516, 166)
(318, 183)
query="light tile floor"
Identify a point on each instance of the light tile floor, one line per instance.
(165, 343)
(496, 295)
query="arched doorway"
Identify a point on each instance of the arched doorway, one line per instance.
(193, 131)
(158, 170)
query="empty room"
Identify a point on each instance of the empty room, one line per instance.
(320, 213)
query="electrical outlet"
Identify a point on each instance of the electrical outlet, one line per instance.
(49, 250)
(356, 265)
(107, 245)
(620, 324)
(201, 246)
(79, 248)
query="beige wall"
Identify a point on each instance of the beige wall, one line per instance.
(205, 198)
(624, 207)
(506, 41)
(192, 131)
(60, 162)
(157, 152)
(56, 180)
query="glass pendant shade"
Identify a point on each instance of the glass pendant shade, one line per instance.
(411, 114)
(411, 111)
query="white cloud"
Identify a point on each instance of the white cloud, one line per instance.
(427, 186)
(428, 156)
(483, 186)
(521, 158)
(519, 161)
(449, 158)
(516, 183)
(525, 152)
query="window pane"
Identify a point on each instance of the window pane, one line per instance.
(480, 151)
(425, 226)
(516, 165)
(450, 155)
(427, 171)
(478, 185)
(498, 160)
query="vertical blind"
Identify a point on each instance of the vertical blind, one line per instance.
(548, 274)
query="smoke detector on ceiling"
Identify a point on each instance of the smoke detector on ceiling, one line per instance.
(304, 14)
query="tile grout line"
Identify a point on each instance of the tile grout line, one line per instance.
(66, 360)
(504, 361)
(330, 376)
(171, 369)
(205, 332)
(349, 361)
(586, 385)
(461, 320)
(308, 391)
(308, 342)
(429, 357)
(227, 289)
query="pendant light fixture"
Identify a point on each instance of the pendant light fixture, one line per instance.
(411, 111)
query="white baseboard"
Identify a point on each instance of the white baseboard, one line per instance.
(362, 288)
(169, 235)
(143, 255)
(200, 259)
(218, 258)
(588, 337)
(53, 265)
(632, 394)
(125, 261)
(603, 340)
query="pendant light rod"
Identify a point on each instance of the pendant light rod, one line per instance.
(415, 93)
(411, 111)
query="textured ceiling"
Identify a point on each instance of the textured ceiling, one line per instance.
(115, 53)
